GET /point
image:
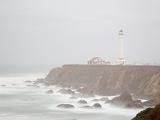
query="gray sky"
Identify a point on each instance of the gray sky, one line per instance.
(72, 31)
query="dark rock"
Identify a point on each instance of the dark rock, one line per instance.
(66, 91)
(125, 100)
(149, 114)
(97, 106)
(49, 91)
(82, 102)
(66, 106)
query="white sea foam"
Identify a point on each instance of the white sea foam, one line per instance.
(20, 102)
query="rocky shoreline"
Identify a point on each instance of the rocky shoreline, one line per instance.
(143, 82)
(131, 83)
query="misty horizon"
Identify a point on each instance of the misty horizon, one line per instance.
(38, 32)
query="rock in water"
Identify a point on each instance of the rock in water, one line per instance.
(49, 91)
(125, 100)
(97, 106)
(66, 91)
(66, 106)
(82, 102)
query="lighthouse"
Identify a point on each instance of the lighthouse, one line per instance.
(121, 59)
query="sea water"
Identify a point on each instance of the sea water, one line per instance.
(19, 101)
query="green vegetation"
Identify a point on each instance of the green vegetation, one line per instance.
(149, 114)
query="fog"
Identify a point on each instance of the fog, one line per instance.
(56, 32)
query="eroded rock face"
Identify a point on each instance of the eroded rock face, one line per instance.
(97, 106)
(66, 91)
(125, 100)
(66, 106)
(49, 92)
(82, 102)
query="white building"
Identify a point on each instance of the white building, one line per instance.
(98, 61)
(121, 59)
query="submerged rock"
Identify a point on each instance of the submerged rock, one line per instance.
(66, 106)
(97, 106)
(82, 102)
(49, 91)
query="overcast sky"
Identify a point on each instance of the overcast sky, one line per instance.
(57, 32)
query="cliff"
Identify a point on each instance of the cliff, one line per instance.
(142, 81)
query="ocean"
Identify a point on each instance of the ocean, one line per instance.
(19, 100)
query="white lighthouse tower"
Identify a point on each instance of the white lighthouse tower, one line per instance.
(121, 59)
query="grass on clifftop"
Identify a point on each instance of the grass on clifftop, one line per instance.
(149, 114)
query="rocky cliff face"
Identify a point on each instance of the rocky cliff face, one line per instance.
(142, 81)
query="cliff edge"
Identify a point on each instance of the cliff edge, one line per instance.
(143, 81)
